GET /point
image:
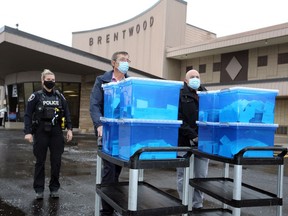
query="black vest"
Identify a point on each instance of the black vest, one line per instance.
(48, 106)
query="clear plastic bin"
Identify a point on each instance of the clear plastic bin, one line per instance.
(227, 139)
(110, 136)
(135, 134)
(111, 100)
(238, 104)
(143, 98)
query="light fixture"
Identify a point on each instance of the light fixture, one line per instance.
(68, 91)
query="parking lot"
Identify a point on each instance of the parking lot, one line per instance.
(77, 192)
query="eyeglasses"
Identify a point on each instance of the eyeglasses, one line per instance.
(123, 60)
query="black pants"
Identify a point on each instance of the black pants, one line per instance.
(43, 140)
(110, 174)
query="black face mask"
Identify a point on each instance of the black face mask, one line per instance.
(49, 84)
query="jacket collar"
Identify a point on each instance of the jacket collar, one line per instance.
(107, 77)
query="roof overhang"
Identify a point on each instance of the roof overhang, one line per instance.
(20, 52)
(277, 34)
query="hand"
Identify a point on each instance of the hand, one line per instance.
(195, 140)
(191, 143)
(69, 135)
(99, 141)
(99, 131)
(29, 138)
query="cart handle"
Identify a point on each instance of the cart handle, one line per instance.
(137, 154)
(282, 149)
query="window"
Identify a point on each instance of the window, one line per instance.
(189, 68)
(71, 91)
(262, 61)
(216, 66)
(17, 103)
(282, 58)
(202, 68)
(282, 130)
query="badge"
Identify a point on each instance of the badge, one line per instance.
(31, 97)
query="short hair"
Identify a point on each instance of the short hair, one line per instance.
(115, 55)
(45, 73)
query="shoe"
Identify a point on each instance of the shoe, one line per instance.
(54, 194)
(39, 195)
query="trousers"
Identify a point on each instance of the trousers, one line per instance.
(54, 141)
(200, 171)
(110, 174)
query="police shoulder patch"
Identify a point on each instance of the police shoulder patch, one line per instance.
(32, 96)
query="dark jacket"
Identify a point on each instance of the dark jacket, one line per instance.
(97, 98)
(188, 113)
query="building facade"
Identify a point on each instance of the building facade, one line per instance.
(161, 45)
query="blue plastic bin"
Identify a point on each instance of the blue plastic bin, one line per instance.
(135, 134)
(110, 136)
(250, 105)
(238, 104)
(227, 139)
(111, 100)
(208, 106)
(143, 98)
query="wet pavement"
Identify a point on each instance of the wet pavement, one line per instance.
(77, 192)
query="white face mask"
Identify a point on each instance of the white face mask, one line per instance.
(123, 67)
(194, 83)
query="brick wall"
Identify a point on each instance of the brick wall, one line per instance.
(85, 122)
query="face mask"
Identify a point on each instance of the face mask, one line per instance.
(49, 84)
(194, 83)
(123, 67)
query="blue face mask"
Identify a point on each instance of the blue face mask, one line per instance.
(123, 67)
(194, 83)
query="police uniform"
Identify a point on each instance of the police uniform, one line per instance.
(43, 119)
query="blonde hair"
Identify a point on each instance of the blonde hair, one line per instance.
(45, 73)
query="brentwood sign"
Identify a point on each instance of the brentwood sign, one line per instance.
(122, 34)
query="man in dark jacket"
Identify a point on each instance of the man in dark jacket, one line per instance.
(188, 132)
(120, 63)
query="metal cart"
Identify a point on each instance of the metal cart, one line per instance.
(137, 197)
(232, 191)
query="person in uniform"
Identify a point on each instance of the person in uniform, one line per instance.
(46, 116)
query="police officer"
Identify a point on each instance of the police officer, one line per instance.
(45, 112)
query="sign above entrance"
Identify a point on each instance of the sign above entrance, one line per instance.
(122, 35)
